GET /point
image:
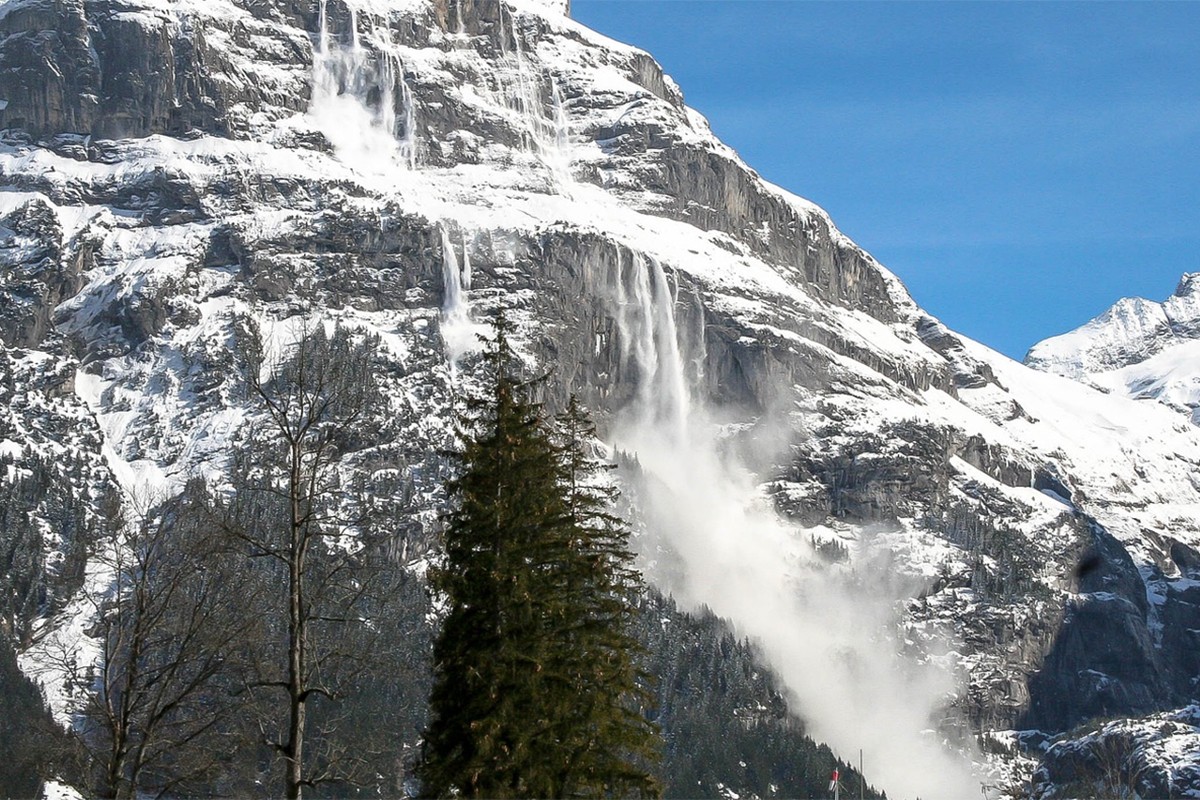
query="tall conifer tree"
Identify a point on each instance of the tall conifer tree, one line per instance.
(534, 692)
(606, 741)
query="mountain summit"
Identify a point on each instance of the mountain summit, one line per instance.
(1138, 348)
(949, 560)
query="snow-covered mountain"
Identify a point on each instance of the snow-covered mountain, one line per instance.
(1138, 348)
(1014, 551)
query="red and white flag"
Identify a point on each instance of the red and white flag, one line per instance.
(833, 781)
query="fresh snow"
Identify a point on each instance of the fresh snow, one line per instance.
(1138, 348)
(54, 790)
(1130, 465)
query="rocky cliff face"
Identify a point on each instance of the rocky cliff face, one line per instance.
(174, 170)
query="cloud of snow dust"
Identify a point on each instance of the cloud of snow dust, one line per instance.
(370, 137)
(459, 331)
(828, 631)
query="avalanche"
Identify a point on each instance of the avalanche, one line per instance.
(408, 167)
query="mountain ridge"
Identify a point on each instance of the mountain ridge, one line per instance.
(1139, 348)
(504, 156)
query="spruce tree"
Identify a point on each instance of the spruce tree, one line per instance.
(534, 689)
(606, 741)
(486, 660)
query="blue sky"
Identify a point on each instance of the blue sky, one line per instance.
(1020, 166)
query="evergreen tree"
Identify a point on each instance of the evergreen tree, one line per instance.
(606, 741)
(533, 667)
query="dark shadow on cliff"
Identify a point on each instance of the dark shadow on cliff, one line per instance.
(1116, 654)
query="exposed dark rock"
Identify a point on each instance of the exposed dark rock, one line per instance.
(36, 274)
(95, 67)
(1104, 661)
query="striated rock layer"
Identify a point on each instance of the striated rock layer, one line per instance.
(174, 169)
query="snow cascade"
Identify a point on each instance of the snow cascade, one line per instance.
(546, 133)
(367, 137)
(458, 331)
(715, 541)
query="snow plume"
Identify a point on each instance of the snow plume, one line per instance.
(828, 632)
(458, 330)
(547, 126)
(367, 137)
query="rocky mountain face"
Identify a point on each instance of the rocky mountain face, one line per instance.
(945, 557)
(1138, 348)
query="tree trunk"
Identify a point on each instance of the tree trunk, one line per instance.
(296, 635)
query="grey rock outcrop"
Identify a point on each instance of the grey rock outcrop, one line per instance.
(1103, 662)
(173, 188)
(1122, 757)
(35, 273)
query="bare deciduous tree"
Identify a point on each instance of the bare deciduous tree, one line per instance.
(293, 512)
(170, 632)
(1119, 764)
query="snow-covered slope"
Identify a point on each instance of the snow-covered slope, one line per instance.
(1138, 348)
(1154, 757)
(174, 170)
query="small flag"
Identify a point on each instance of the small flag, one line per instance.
(833, 781)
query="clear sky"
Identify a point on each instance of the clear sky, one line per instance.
(1020, 166)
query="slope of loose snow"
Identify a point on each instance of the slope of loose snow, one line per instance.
(1134, 465)
(1170, 376)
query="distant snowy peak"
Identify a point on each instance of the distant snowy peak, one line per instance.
(1139, 348)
